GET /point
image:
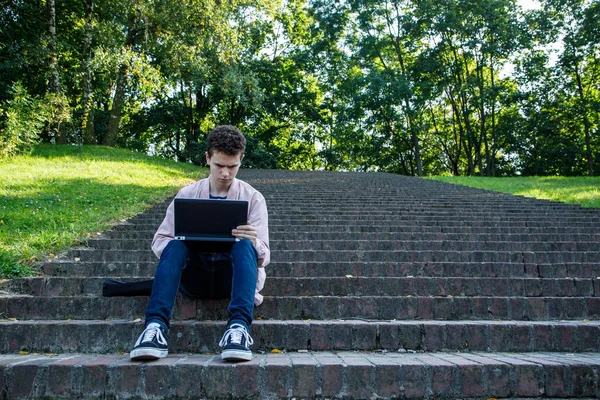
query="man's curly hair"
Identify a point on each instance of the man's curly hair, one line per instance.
(227, 139)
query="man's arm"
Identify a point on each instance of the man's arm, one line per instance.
(257, 229)
(165, 232)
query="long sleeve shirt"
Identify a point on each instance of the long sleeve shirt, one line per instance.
(257, 216)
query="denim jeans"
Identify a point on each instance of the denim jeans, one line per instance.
(183, 267)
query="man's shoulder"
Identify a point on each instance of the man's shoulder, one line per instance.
(193, 189)
(249, 189)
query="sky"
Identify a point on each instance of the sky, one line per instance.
(529, 4)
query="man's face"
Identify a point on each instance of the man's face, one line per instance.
(223, 168)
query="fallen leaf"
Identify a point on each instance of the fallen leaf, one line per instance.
(12, 319)
(51, 255)
(275, 351)
(77, 259)
(349, 276)
(137, 320)
(50, 355)
(23, 352)
(585, 320)
(69, 319)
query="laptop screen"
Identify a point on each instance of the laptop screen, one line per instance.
(208, 219)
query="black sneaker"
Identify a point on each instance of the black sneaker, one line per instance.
(236, 344)
(151, 345)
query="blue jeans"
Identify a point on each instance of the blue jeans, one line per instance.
(204, 277)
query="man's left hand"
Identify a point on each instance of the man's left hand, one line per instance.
(245, 232)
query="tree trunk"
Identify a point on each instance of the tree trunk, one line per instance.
(117, 108)
(586, 123)
(119, 98)
(89, 134)
(54, 81)
(492, 162)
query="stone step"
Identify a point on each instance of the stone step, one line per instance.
(400, 256)
(346, 286)
(351, 375)
(314, 307)
(69, 267)
(367, 242)
(118, 336)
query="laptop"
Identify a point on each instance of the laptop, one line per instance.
(208, 220)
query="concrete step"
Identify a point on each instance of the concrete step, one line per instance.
(399, 255)
(118, 336)
(63, 267)
(346, 286)
(314, 307)
(351, 375)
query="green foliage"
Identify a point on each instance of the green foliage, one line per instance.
(22, 119)
(60, 195)
(411, 87)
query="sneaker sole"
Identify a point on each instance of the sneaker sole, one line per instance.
(147, 354)
(236, 355)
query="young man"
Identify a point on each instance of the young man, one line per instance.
(238, 273)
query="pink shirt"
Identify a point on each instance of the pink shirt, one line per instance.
(257, 215)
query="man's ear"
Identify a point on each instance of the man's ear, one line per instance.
(242, 157)
(207, 157)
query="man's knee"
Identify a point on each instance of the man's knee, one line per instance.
(244, 250)
(177, 247)
(176, 253)
(242, 247)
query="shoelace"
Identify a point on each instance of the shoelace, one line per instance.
(236, 333)
(149, 334)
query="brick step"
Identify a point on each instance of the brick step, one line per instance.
(275, 228)
(346, 286)
(285, 228)
(367, 209)
(118, 336)
(391, 220)
(432, 245)
(351, 375)
(416, 232)
(392, 235)
(450, 218)
(66, 267)
(366, 241)
(541, 257)
(423, 200)
(317, 307)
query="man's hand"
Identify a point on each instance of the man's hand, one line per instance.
(245, 232)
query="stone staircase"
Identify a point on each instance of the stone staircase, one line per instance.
(380, 286)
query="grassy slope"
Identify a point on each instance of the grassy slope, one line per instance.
(575, 190)
(59, 195)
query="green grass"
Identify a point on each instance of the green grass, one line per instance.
(60, 195)
(584, 191)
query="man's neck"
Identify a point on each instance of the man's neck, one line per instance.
(217, 191)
